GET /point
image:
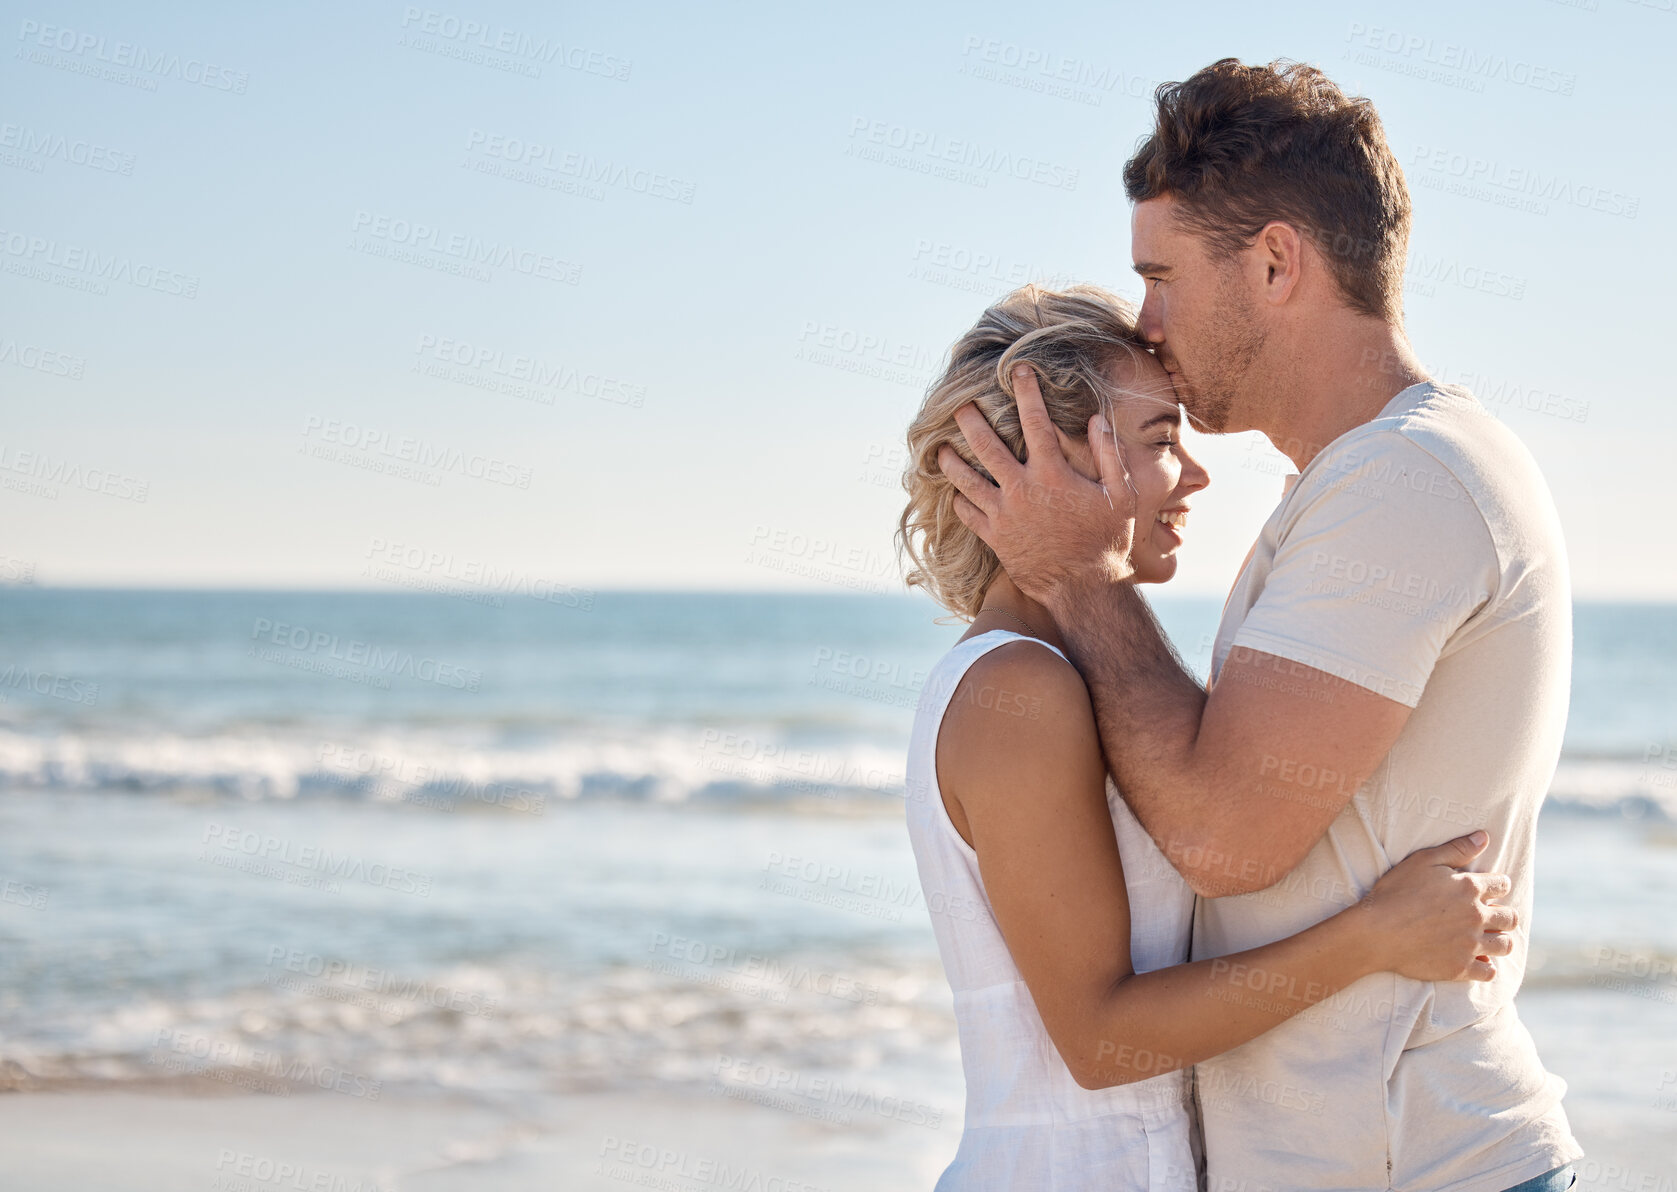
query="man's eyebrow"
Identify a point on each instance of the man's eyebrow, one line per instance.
(1146, 267)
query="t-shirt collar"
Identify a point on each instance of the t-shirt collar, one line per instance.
(1402, 402)
(1405, 400)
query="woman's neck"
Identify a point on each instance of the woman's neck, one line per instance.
(1006, 607)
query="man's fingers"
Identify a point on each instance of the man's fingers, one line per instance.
(989, 449)
(969, 482)
(1481, 970)
(1067, 446)
(972, 517)
(1109, 460)
(1033, 415)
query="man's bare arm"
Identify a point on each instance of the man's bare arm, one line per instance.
(1236, 787)
(1028, 795)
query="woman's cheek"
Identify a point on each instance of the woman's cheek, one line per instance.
(1156, 483)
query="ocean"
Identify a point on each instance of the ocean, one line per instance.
(402, 846)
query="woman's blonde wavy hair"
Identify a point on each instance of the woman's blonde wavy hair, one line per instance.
(1071, 338)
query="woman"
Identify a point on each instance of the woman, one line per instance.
(1063, 929)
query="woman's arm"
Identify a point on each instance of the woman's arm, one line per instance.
(1028, 792)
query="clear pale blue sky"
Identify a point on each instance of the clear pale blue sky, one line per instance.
(744, 465)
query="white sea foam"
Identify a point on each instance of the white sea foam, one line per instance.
(427, 768)
(525, 1030)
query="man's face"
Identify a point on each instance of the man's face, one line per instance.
(1197, 314)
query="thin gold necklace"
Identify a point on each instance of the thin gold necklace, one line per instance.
(1016, 620)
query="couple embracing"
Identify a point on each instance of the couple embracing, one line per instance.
(1262, 933)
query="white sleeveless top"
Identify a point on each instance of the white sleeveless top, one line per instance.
(1029, 1126)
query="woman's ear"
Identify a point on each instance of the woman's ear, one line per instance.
(1079, 455)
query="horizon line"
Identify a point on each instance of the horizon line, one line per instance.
(1162, 592)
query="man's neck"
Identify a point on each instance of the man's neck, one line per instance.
(1347, 377)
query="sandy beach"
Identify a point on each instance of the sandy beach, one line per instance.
(159, 1141)
(137, 1142)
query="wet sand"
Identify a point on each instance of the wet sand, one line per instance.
(164, 1142)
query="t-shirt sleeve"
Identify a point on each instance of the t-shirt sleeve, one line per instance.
(1378, 562)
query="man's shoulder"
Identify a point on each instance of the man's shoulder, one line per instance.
(1437, 480)
(1391, 461)
(1441, 443)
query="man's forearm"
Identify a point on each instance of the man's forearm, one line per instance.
(1237, 788)
(1147, 704)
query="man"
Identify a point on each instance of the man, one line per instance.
(1392, 667)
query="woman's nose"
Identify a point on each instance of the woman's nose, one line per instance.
(1194, 475)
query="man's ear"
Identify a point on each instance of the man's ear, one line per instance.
(1281, 254)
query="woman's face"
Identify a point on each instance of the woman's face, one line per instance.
(1149, 428)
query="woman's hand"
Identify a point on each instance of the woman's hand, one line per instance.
(1435, 921)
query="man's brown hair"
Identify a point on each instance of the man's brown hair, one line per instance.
(1239, 146)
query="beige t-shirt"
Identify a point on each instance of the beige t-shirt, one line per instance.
(1420, 556)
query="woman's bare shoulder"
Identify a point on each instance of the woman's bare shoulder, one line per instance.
(1019, 706)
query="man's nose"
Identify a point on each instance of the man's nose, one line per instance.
(1148, 322)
